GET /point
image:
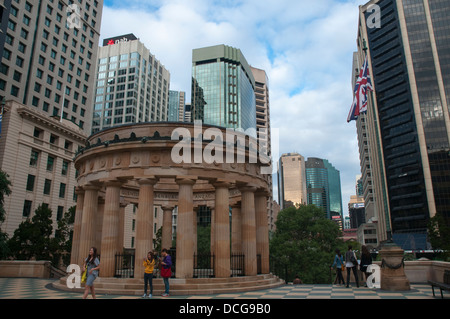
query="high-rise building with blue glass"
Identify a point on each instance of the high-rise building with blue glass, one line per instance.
(323, 186)
(404, 138)
(223, 88)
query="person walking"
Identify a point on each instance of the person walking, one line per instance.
(351, 263)
(149, 264)
(339, 263)
(166, 270)
(366, 260)
(91, 265)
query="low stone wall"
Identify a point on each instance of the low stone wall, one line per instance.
(422, 271)
(419, 271)
(25, 269)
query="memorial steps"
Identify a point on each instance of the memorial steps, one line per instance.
(179, 287)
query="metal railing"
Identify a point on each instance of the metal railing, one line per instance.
(204, 265)
(237, 264)
(124, 266)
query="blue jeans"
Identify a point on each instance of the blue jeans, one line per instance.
(166, 285)
(148, 279)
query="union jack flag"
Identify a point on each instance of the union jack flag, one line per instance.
(363, 84)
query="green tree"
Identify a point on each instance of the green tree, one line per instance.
(304, 243)
(157, 242)
(439, 234)
(5, 190)
(31, 240)
(61, 244)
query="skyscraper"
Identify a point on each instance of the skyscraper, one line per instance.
(223, 88)
(132, 86)
(49, 60)
(46, 77)
(263, 126)
(406, 140)
(177, 104)
(323, 184)
(291, 180)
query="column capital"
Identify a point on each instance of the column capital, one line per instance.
(262, 192)
(91, 187)
(167, 208)
(151, 180)
(79, 190)
(112, 183)
(221, 184)
(247, 188)
(185, 181)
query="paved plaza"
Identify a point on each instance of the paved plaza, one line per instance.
(31, 288)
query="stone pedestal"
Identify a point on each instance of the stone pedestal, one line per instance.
(393, 276)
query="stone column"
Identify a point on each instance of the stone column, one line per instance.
(222, 231)
(166, 240)
(99, 224)
(110, 229)
(236, 229)
(144, 223)
(88, 233)
(262, 230)
(75, 257)
(249, 230)
(185, 240)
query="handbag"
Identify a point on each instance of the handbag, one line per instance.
(166, 272)
(353, 260)
(84, 276)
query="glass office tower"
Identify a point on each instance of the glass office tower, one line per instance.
(323, 184)
(132, 86)
(408, 118)
(223, 88)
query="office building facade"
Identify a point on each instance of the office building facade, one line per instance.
(323, 184)
(407, 122)
(132, 86)
(46, 78)
(291, 180)
(223, 88)
(49, 60)
(177, 104)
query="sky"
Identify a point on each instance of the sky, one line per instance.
(305, 47)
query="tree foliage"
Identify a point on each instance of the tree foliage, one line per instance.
(439, 235)
(31, 240)
(305, 241)
(5, 190)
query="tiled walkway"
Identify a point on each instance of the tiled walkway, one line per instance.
(26, 288)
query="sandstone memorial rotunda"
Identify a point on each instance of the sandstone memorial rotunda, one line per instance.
(183, 165)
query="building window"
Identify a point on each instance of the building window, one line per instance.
(65, 168)
(27, 208)
(47, 186)
(14, 91)
(34, 158)
(60, 213)
(50, 163)
(62, 190)
(30, 182)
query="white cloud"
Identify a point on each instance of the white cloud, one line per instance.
(304, 46)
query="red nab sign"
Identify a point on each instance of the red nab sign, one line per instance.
(119, 39)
